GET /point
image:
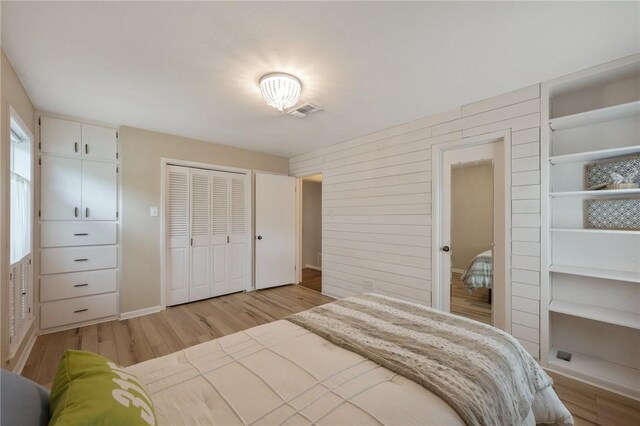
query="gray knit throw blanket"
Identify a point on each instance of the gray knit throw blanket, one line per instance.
(483, 373)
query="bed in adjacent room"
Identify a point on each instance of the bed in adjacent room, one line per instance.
(362, 360)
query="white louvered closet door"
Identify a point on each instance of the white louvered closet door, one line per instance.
(200, 185)
(177, 224)
(220, 232)
(239, 234)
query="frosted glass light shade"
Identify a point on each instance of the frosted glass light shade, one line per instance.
(280, 91)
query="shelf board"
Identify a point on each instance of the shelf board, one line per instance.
(608, 274)
(595, 231)
(596, 313)
(616, 377)
(600, 115)
(602, 192)
(595, 155)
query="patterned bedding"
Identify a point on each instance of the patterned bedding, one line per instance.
(480, 272)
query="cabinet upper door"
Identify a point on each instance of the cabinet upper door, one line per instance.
(60, 136)
(99, 190)
(99, 142)
(60, 188)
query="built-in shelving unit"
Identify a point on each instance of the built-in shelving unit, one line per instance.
(619, 378)
(599, 115)
(590, 281)
(599, 193)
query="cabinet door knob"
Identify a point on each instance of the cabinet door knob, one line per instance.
(259, 237)
(445, 248)
(76, 211)
(86, 212)
(75, 147)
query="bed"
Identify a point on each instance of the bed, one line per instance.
(285, 373)
(479, 273)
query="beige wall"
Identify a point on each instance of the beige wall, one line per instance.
(11, 93)
(141, 153)
(471, 213)
(311, 222)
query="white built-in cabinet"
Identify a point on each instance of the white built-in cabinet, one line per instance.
(79, 217)
(590, 277)
(207, 233)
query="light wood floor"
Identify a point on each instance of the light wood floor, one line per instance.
(311, 279)
(151, 336)
(475, 306)
(139, 339)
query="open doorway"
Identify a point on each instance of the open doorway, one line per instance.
(472, 240)
(311, 244)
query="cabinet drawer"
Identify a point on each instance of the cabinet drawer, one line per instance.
(73, 259)
(76, 284)
(63, 312)
(65, 234)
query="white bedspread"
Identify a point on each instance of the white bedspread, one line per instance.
(279, 373)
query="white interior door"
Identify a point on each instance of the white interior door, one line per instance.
(177, 235)
(494, 153)
(275, 230)
(61, 183)
(200, 186)
(99, 190)
(220, 232)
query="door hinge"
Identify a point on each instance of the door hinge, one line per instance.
(40, 161)
(116, 138)
(192, 241)
(40, 146)
(39, 213)
(117, 169)
(295, 268)
(39, 121)
(227, 239)
(116, 155)
(117, 214)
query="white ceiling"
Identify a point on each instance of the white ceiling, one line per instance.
(192, 69)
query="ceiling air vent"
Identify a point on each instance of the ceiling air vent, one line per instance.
(304, 109)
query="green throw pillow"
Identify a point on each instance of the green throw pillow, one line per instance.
(89, 389)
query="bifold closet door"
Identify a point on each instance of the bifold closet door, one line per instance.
(200, 185)
(177, 233)
(238, 247)
(220, 233)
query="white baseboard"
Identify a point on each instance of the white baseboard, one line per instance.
(20, 363)
(140, 312)
(457, 271)
(317, 268)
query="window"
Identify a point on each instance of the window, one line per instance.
(20, 231)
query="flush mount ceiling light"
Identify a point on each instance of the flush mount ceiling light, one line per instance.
(280, 91)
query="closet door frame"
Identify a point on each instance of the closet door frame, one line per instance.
(248, 173)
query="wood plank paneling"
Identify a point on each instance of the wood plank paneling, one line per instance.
(377, 198)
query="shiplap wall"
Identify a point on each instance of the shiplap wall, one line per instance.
(377, 204)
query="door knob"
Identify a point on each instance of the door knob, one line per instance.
(445, 248)
(259, 237)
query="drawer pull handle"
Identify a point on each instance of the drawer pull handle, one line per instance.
(81, 235)
(81, 285)
(80, 260)
(80, 310)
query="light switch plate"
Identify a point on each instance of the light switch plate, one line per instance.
(153, 211)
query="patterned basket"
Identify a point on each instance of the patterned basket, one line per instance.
(621, 214)
(600, 173)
